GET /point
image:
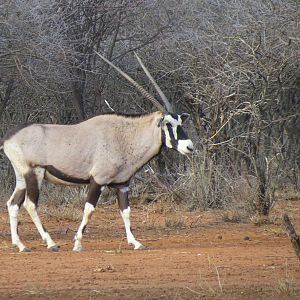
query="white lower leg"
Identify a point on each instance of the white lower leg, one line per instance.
(13, 211)
(13, 206)
(130, 238)
(31, 209)
(88, 210)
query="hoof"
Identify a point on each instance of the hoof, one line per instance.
(78, 250)
(141, 247)
(54, 248)
(26, 250)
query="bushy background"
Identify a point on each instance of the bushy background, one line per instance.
(233, 65)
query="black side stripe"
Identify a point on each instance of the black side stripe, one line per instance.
(65, 177)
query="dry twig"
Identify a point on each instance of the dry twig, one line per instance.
(292, 234)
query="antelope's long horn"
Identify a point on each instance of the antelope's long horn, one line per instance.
(160, 92)
(134, 83)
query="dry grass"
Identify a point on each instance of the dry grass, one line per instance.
(231, 217)
(175, 223)
(67, 212)
(35, 289)
(284, 286)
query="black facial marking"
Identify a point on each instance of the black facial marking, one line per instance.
(174, 142)
(175, 116)
(83, 229)
(181, 135)
(93, 193)
(32, 187)
(62, 176)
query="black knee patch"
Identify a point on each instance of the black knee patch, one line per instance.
(19, 197)
(122, 199)
(32, 187)
(93, 193)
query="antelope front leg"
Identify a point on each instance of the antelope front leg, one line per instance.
(122, 194)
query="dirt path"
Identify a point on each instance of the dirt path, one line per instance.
(190, 256)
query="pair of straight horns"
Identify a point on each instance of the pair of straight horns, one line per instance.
(166, 108)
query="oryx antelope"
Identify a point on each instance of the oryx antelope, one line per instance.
(106, 150)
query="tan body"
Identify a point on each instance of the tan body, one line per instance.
(109, 148)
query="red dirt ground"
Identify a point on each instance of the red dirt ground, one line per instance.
(191, 256)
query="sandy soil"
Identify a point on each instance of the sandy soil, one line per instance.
(191, 256)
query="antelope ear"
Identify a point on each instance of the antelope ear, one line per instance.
(184, 117)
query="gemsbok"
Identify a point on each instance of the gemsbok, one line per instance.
(106, 150)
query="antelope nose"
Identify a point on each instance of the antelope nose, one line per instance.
(190, 148)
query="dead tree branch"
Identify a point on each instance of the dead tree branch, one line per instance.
(292, 234)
